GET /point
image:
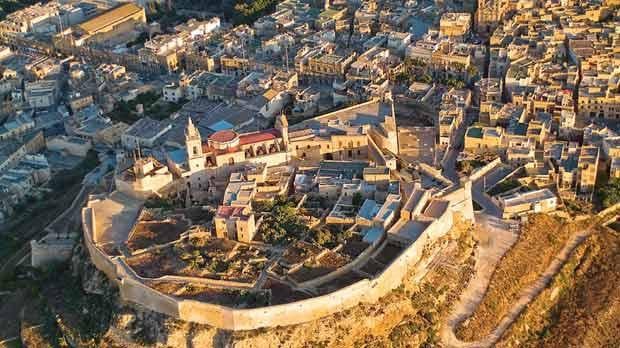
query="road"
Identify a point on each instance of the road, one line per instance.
(489, 180)
(71, 212)
(449, 161)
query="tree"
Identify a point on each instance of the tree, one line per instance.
(282, 224)
(323, 236)
(610, 193)
(217, 266)
(357, 199)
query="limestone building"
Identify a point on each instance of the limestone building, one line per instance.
(113, 23)
(144, 178)
(225, 150)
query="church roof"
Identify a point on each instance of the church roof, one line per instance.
(250, 138)
(223, 136)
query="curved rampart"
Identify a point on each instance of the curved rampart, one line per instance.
(363, 291)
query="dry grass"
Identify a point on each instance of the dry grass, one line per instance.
(581, 307)
(541, 239)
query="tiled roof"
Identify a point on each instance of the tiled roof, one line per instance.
(223, 136)
(225, 212)
(251, 138)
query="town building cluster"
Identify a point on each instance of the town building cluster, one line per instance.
(315, 153)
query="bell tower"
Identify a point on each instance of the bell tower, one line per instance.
(193, 145)
(282, 126)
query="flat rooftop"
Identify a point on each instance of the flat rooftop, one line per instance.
(114, 218)
(528, 197)
(372, 113)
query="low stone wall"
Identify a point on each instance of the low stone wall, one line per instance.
(482, 171)
(609, 210)
(507, 177)
(434, 173)
(355, 263)
(172, 278)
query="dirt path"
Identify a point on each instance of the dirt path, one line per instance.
(495, 240)
(489, 254)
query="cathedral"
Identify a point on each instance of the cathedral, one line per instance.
(225, 151)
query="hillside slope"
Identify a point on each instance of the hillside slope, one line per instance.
(581, 308)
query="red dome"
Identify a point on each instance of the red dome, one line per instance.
(223, 136)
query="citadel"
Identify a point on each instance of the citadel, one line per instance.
(300, 173)
(335, 171)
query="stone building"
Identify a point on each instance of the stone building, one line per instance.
(225, 150)
(144, 178)
(455, 25)
(483, 139)
(236, 223)
(122, 20)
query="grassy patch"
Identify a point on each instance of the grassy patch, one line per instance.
(153, 108)
(466, 167)
(609, 193)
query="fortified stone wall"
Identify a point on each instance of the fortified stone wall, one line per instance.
(100, 260)
(367, 290)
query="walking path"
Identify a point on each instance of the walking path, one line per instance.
(499, 243)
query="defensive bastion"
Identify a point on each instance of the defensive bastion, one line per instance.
(424, 218)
